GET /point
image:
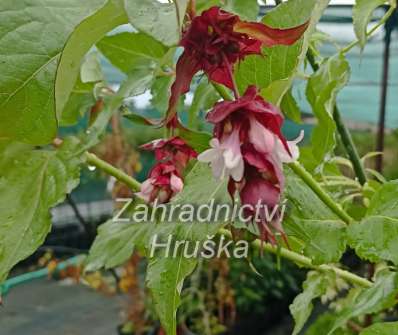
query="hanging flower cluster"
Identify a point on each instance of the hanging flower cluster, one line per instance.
(248, 146)
(165, 179)
(215, 41)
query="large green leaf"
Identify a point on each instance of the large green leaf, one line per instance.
(126, 50)
(116, 242)
(385, 328)
(165, 275)
(311, 222)
(322, 90)
(376, 237)
(385, 201)
(281, 62)
(89, 31)
(324, 241)
(301, 308)
(362, 14)
(163, 21)
(32, 36)
(31, 182)
(382, 295)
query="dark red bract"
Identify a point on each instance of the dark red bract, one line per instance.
(215, 41)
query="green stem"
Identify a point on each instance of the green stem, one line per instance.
(344, 133)
(111, 170)
(374, 29)
(320, 192)
(306, 262)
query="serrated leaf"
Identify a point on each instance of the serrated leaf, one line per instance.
(162, 21)
(322, 90)
(32, 36)
(324, 240)
(31, 182)
(382, 295)
(385, 201)
(127, 50)
(310, 221)
(361, 15)
(314, 286)
(385, 328)
(281, 62)
(376, 237)
(86, 34)
(165, 275)
(116, 242)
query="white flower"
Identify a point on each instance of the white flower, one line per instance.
(225, 158)
(283, 155)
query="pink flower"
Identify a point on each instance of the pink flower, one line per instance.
(162, 184)
(174, 149)
(249, 147)
(215, 41)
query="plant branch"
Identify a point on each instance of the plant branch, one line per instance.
(306, 262)
(344, 133)
(320, 192)
(373, 30)
(222, 91)
(111, 170)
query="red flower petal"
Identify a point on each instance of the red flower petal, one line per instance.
(270, 36)
(185, 70)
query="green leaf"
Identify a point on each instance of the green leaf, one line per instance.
(90, 71)
(311, 222)
(31, 182)
(204, 98)
(116, 242)
(127, 50)
(32, 36)
(301, 308)
(324, 240)
(162, 21)
(89, 32)
(382, 295)
(323, 323)
(385, 328)
(375, 238)
(198, 140)
(385, 201)
(165, 275)
(290, 107)
(80, 101)
(361, 15)
(281, 62)
(160, 91)
(246, 9)
(322, 90)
